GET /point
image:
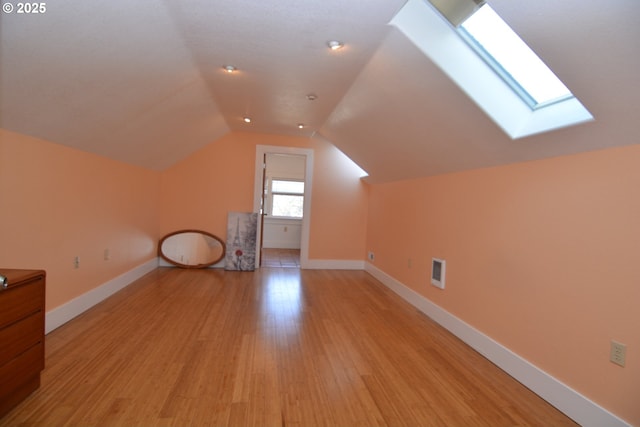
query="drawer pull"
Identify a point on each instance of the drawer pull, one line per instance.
(3, 282)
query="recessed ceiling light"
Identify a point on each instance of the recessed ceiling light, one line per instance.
(312, 97)
(229, 68)
(300, 125)
(247, 119)
(335, 45)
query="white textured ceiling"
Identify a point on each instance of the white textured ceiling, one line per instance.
(142, 81)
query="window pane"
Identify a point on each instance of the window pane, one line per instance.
(289, 206)
(279, 186)
(514, 58)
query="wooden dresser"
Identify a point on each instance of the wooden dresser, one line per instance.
(21, 335)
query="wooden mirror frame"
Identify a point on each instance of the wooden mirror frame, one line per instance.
(179, 264)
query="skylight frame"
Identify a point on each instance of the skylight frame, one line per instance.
(514, 74)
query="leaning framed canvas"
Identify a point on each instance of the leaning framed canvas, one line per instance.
(242, 234)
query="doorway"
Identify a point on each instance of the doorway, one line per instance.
(282, 198)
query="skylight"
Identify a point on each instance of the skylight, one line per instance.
(456, 36)
(505, 51)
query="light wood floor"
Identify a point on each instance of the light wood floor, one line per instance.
(275, 347)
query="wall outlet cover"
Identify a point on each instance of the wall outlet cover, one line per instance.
(618, 353)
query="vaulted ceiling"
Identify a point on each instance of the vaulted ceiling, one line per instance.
(142, 82)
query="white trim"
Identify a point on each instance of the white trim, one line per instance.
(62, 314)
(333, 264)
(261, 150)
(576, 406)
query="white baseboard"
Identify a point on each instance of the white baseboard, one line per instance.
(62, 314)
(332, 264)
(570, 402)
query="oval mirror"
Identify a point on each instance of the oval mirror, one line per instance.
(191, 248)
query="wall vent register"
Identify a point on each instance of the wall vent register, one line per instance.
(438, 268)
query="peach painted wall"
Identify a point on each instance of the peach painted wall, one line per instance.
(57, 203)
(339, 208)
(199, 191)
(542, 256)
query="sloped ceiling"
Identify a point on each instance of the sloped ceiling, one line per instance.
(142, 82)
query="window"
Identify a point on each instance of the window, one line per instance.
(287, 198)
(512, 59)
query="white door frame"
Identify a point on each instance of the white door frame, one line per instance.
(261, 150)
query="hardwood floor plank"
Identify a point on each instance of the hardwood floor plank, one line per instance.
(275, 347)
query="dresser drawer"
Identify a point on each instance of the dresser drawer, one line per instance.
(17, 370)
(19, 336)
(21, 301)
(22, 311)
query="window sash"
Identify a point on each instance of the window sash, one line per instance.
(512, 59)
(287, 186)
(286, 198)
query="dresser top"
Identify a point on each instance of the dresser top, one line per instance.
(16, 276)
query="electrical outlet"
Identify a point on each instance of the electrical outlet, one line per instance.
(76, 262)
(371, 256)
(618, 353)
